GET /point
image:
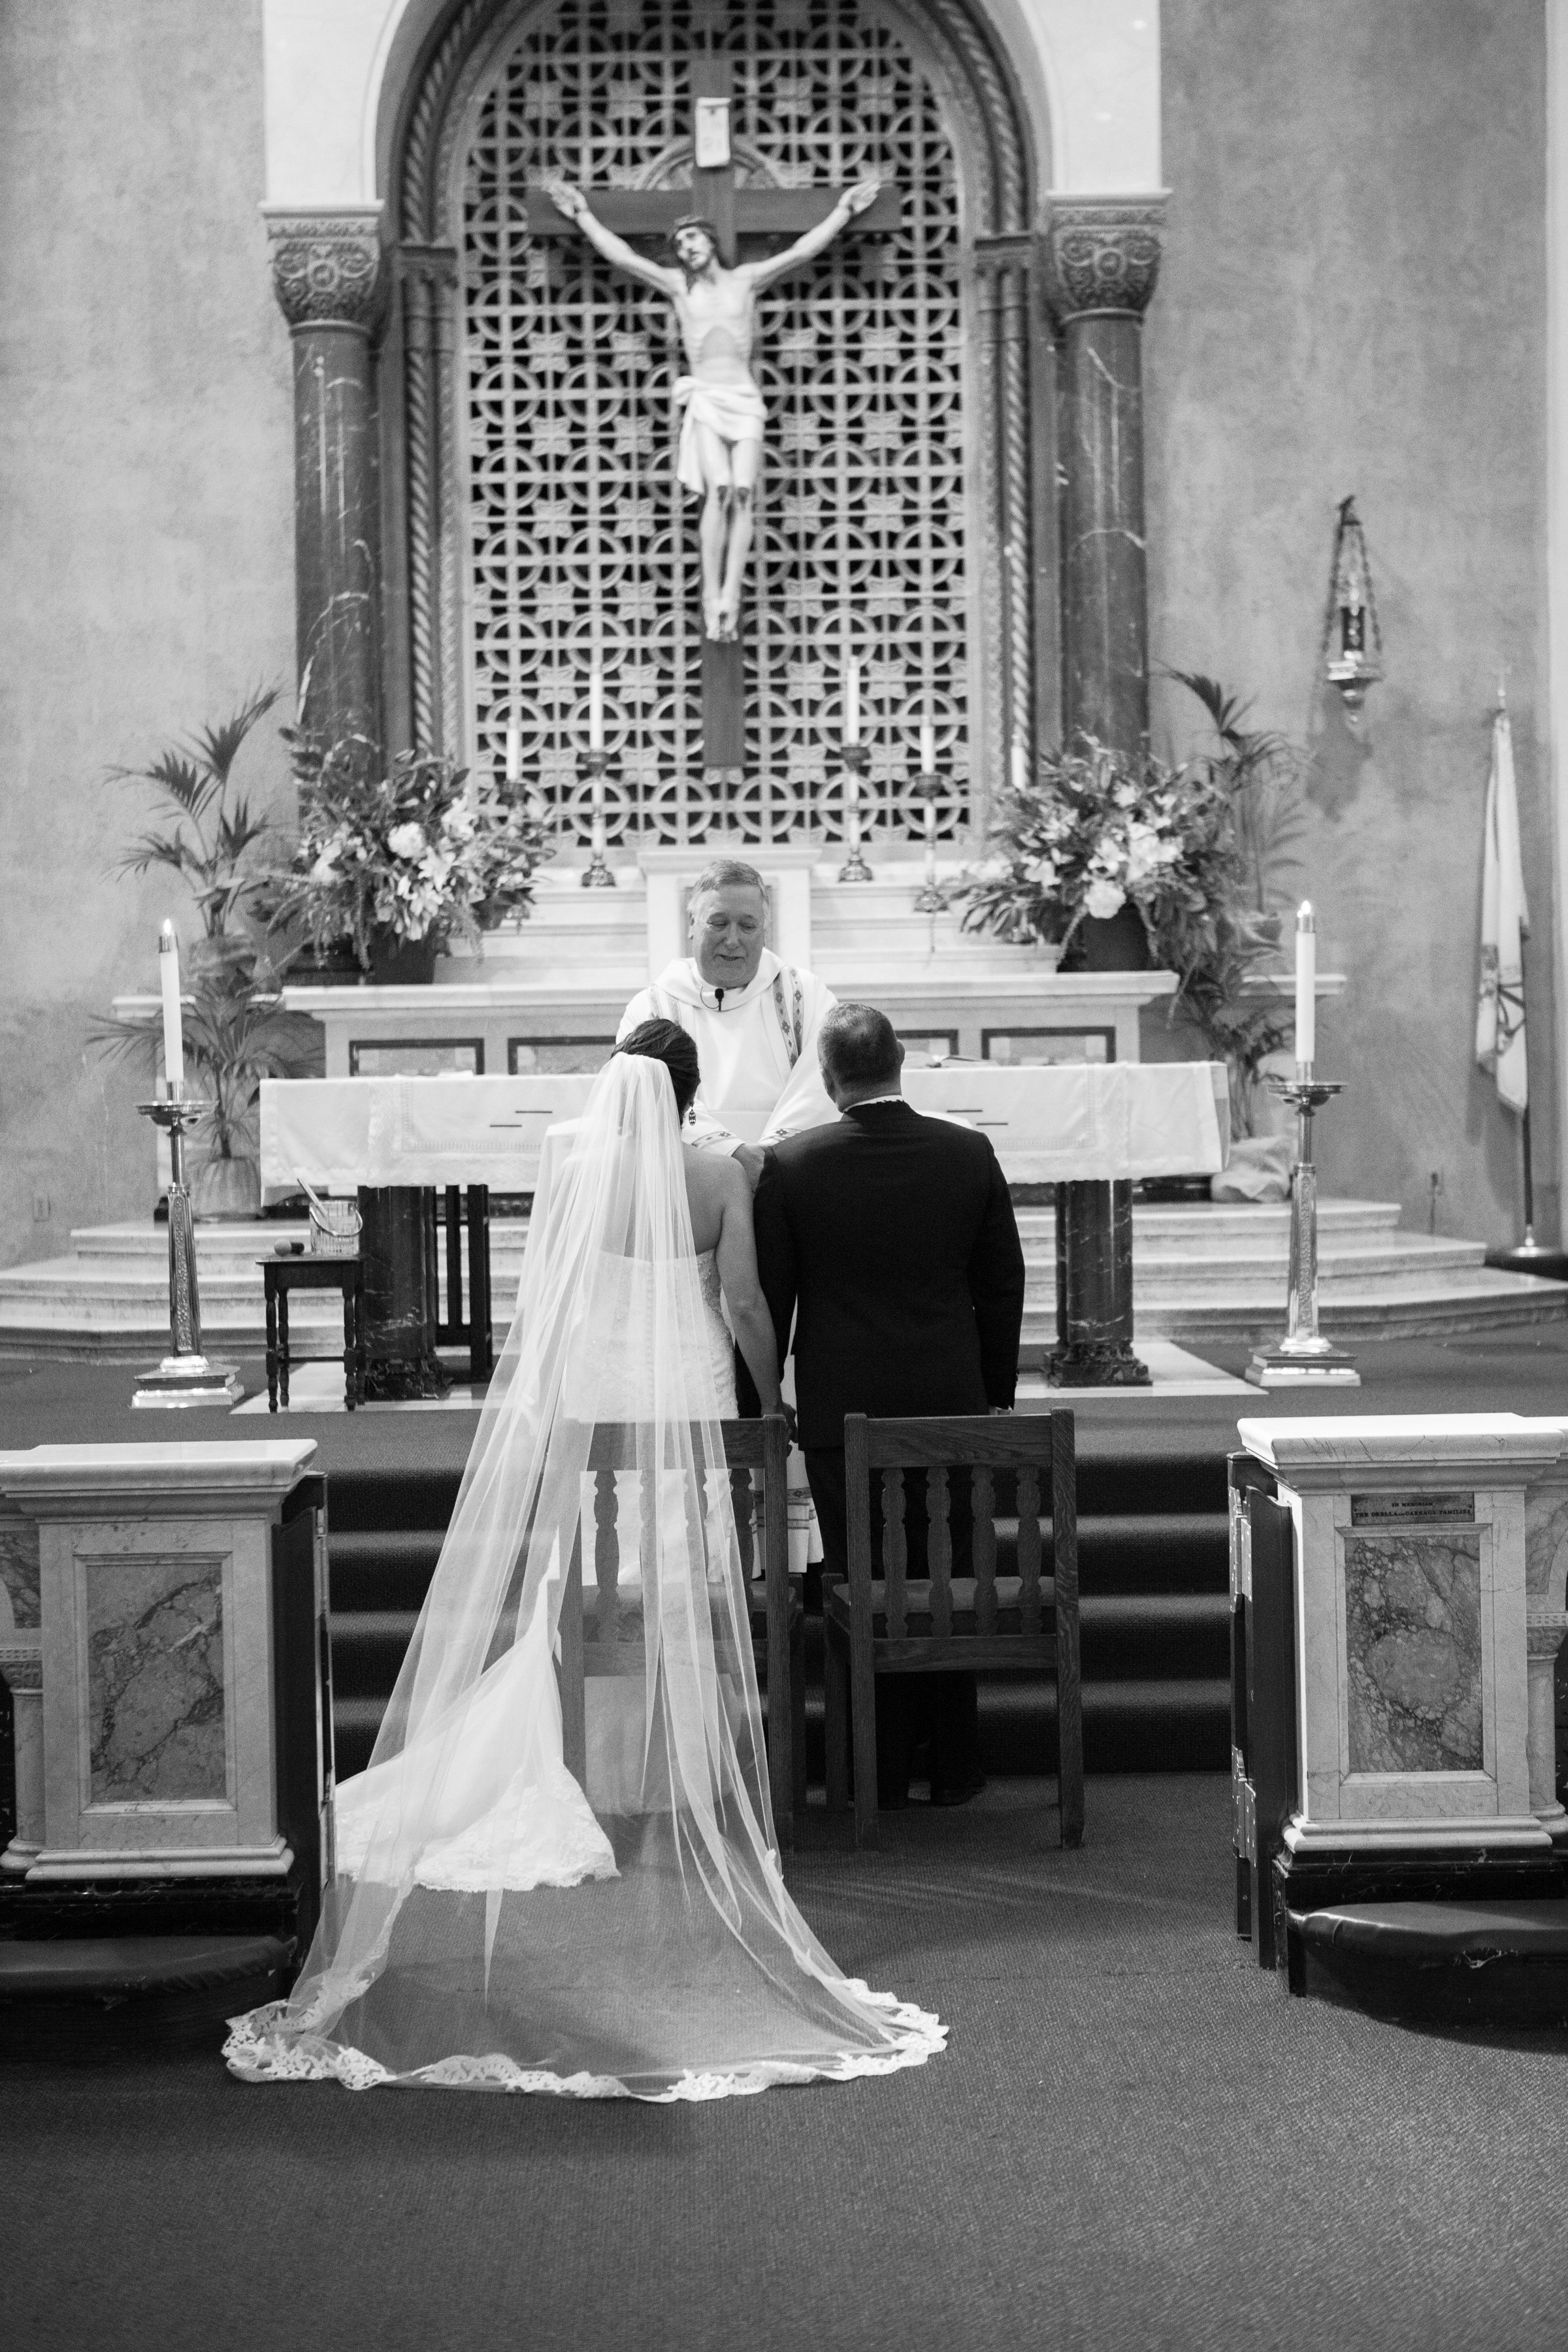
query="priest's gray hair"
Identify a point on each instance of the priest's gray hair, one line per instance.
(729, 874)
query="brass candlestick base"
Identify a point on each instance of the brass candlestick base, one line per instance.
(1303, 1358)
(857, 759)
(597, 874)
(185, 1377)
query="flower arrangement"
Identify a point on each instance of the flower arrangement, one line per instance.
(1200, 850)
(415, 851)
(1096, 831)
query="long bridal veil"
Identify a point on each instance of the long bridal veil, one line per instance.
(623, 1930)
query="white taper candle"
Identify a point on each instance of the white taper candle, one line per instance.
(852, 701)
(514, 754)
(927, 748)
(173, 1025)
(1306, 985)
(596, 707)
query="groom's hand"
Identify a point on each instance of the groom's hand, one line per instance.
(749, 1158)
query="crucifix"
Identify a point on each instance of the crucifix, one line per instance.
(714, 289)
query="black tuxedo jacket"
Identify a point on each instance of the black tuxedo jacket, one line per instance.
(890, 1240)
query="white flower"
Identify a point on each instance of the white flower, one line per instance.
(1044, 873)
(1102, 899)
(407, 841)
(458, 822)
(1144, 851)
(325, 867)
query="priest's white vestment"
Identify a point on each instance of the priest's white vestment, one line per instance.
(757, 1046)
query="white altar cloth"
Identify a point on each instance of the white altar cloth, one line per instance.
(1081, 1121)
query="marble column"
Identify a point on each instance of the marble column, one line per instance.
(1102, 257)
(327, 273)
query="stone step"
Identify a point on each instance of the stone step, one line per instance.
(1202, 1273)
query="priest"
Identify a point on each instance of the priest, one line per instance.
(754, 1019)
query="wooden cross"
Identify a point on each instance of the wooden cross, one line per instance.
(736, 214)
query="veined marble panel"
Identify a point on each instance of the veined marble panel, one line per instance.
(19, 1571)
(155, 1680)
(1413, 1649)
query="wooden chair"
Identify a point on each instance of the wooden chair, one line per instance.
(590, 1645)
(896, 1624)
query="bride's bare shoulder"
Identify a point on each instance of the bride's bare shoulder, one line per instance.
(715, 1186)
(713, 1176)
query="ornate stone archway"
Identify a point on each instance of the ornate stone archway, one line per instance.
(1054, 284)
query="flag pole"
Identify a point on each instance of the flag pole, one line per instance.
(1529, 1256)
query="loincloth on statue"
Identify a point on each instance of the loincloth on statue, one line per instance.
(734, 412)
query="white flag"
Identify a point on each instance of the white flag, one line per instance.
(1505, 924)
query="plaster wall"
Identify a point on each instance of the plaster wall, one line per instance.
(1352, 300)
(336, 71)
(146, 532)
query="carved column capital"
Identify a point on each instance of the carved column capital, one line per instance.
(1102, 253)
(1543, 1636)
(326, 265)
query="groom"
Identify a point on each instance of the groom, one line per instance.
(888, 1241)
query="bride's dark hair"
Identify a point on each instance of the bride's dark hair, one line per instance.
(666, 1042)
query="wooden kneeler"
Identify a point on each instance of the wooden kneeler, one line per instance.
(896, 1624)
(589, 1644)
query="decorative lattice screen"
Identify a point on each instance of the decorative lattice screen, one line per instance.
(579, 533)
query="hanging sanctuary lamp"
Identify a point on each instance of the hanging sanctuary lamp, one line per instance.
(1353, 642)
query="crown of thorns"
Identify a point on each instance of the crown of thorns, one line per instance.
(697, 220)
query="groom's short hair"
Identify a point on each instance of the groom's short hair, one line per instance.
(857, 1046)
(728, 874)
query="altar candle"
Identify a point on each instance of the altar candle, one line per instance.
(514, 754)
(927, 748)
(1020, 764)
(930, 822)
(1306, 985)
(852, 702)
(173, 1027)
(596, 707)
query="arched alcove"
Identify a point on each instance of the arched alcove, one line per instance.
(533, 517)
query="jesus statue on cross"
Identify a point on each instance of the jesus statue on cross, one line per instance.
(721, 453)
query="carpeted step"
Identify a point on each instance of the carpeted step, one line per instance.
(95, 1996)
(381, 1567)
(355, 1722)
(368, 1649)
(1502, 1963)
(1153, 1637)
(1145, 1727)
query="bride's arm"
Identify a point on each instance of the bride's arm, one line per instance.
(736, 1253)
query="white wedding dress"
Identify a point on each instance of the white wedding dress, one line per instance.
(493, 1921)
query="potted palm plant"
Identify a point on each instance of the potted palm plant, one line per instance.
(235, 1030)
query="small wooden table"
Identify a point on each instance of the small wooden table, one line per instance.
(282, 1274)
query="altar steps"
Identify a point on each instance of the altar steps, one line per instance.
(1154, 1610)
(1204, 1273)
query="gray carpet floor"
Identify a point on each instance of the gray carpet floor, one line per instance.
(1134, 2137)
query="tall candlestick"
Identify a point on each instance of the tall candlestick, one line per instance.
(173, 1025)
(514, 754)
(1306, 985)
(596, 706)
(852, 701)
(927, 748)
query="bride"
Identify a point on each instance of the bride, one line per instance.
(494, 1921)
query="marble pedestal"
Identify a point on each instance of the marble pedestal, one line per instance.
(1420, 1610)
(182, 1734)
